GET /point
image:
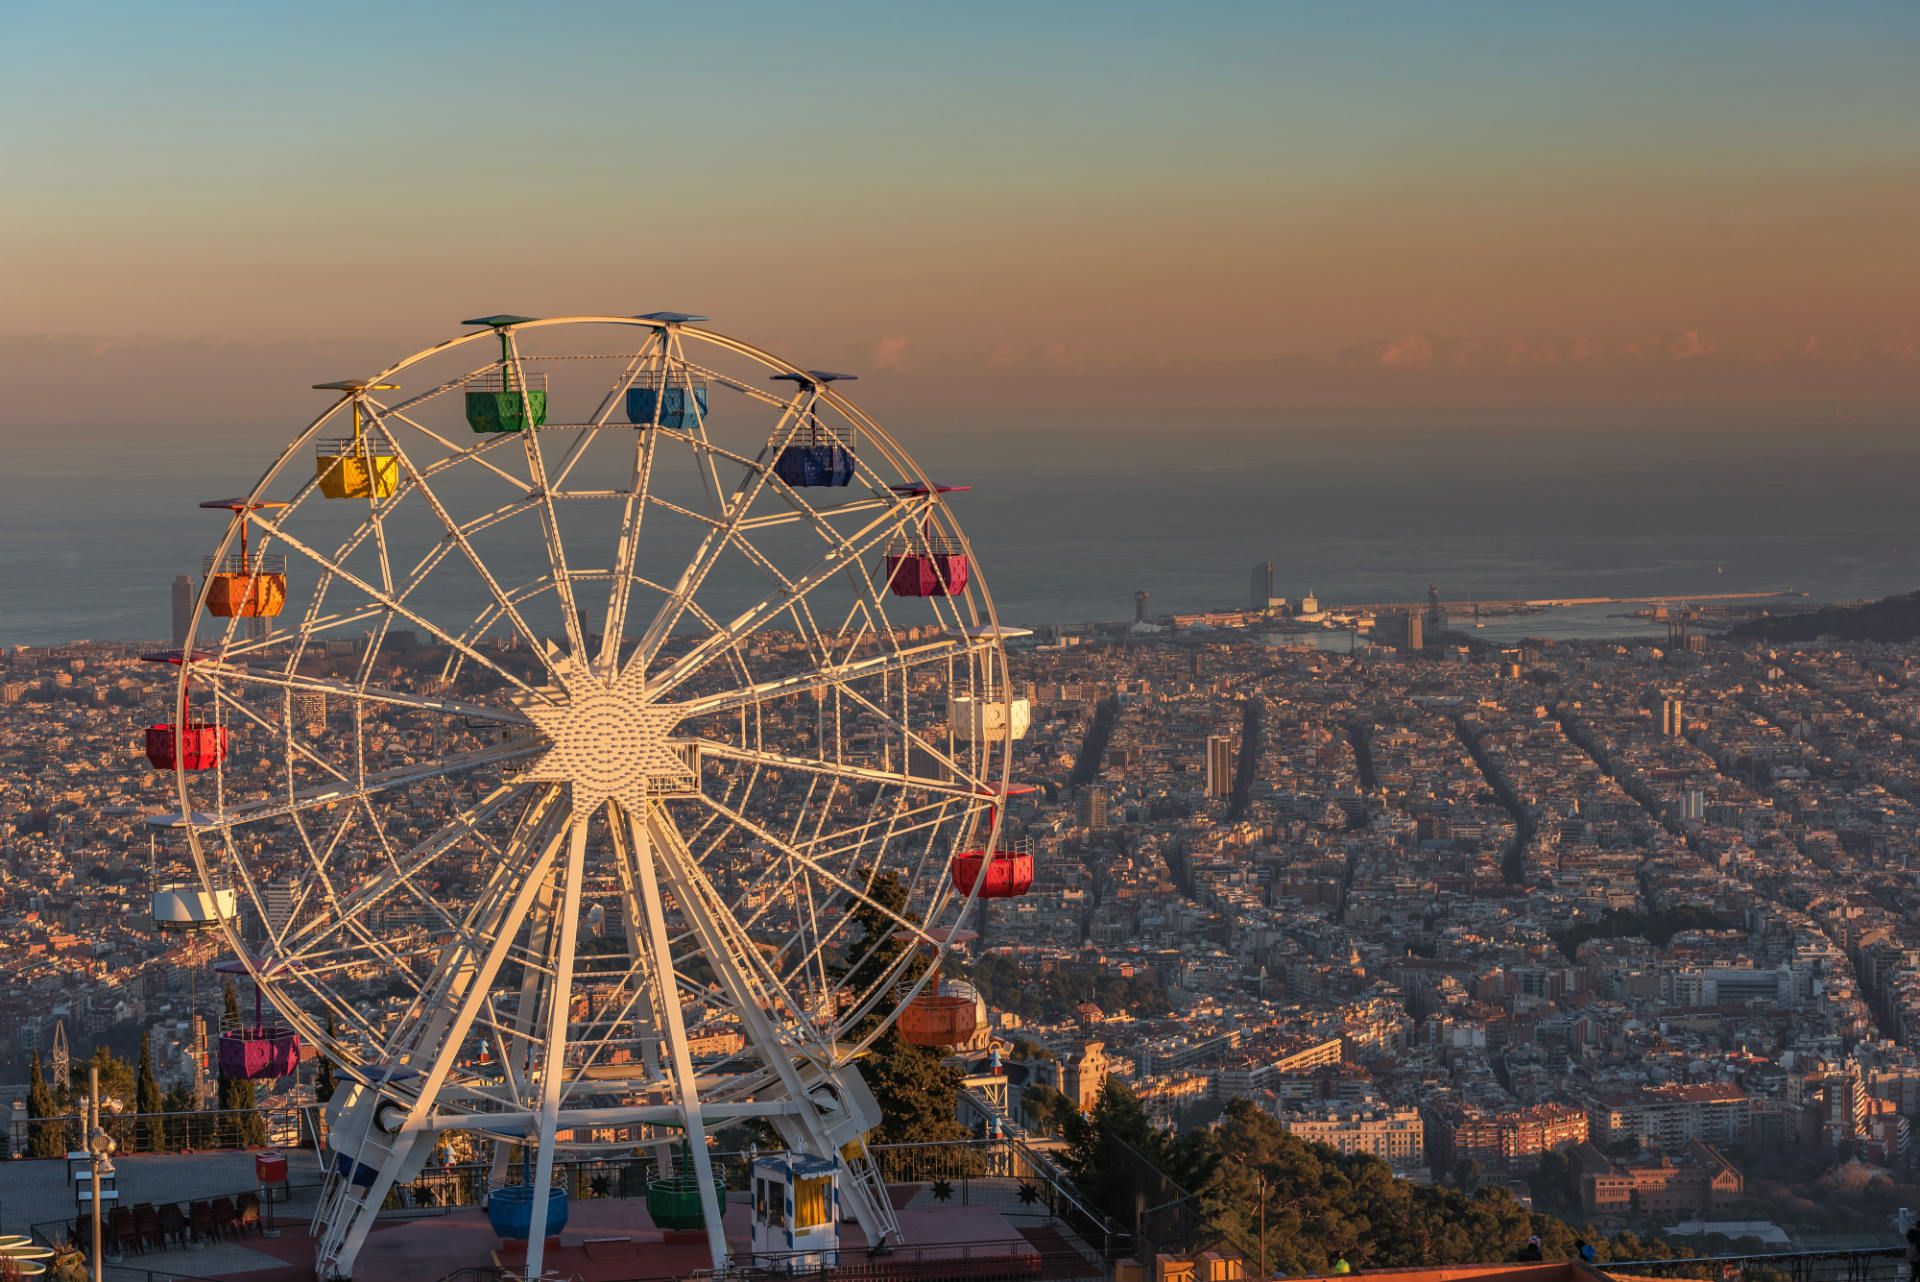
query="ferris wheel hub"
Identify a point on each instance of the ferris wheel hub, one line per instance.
(607, 740)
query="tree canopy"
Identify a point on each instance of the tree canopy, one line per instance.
(1321, 1205)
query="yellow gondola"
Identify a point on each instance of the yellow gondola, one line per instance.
(354, 468)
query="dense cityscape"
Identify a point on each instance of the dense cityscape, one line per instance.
(1626, 927)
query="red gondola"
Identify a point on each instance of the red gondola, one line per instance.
(928, 564)
(194, 745)
(1008, 871)
(262, 1052)
(1005, 873)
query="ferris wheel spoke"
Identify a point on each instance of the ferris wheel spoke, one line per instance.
(750, 985)
(549, 521)
(461, 826)
(838, 770)
(831, 677)
(300, 683)
(833, 562)
(632, 517)
(302, 799)
(394, 605)
(458, 534)
(456, 455)
(818, 868)
(732, 511)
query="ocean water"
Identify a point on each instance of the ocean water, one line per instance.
(1070, 515)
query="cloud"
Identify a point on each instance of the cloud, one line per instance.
(1415, 352)
(890, 351)
(1690, 345)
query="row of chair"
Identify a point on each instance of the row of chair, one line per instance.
(145, 1226)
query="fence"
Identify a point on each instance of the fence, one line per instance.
(1011, 1260)
(300, 1126)
(1870, 1264)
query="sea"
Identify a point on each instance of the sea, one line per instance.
(1071, 514)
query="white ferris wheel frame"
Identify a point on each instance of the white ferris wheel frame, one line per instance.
(544, 858)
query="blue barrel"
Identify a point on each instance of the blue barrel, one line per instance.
(510, 1211)
(676, 410)
(800, 465)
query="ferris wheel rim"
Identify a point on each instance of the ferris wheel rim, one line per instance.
(895, 453)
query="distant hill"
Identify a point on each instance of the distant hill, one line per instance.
(1894, 618)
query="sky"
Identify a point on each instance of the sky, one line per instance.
(1165, 209)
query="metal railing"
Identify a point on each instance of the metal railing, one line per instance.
(348, 447)
(234, 563)
(993, 1260)
(300, 1126)
(1863, 1264)
(494, 381)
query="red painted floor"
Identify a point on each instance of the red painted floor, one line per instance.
(613, 1240)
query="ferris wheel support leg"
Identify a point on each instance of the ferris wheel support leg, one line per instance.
(513, 1053)
(633, 912)
(684, 1082)
(350, 1220)
(805, 1128)
(553, 1068)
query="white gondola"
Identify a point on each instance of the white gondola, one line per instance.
(990, 720)
(192, 907)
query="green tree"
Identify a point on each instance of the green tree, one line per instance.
(1047, 1109)
(324, 1081)
(917, 1093)
(148, 1100)
(182, 1110)
(1321, 1204)
(117, 1079)
(46, 1138)
(241, 1125)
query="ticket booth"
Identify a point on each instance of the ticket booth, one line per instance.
(796, 1213)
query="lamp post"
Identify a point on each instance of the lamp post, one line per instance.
(100, 1145)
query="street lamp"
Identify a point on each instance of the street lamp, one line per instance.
(101, 1146)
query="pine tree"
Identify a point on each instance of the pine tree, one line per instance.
(47, 1138)
(241, 1123)
(325, 1083)
(148, 1101)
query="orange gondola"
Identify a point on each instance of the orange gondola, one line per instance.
(245, 585)
(937, 1016)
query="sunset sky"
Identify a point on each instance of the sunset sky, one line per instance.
(1262, 206)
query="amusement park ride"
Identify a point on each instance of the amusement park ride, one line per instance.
(619, 683)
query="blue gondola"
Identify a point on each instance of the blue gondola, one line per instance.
(817, 455)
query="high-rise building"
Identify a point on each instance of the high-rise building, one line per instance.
(1092, 806)
(182, 609)
(277, 901)
(1140, 605)
(1436, 617)
(1673, 722)
(1260, 592)
(1219, 766)
(1401, 630)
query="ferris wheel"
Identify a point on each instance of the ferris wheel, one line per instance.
(596, 732)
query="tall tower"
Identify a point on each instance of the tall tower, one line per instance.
(182, 609)
(62, 1062)
(1140, 605)
(1260, 590)
(1436, 617)
(1219, 766)
(1673, 721)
